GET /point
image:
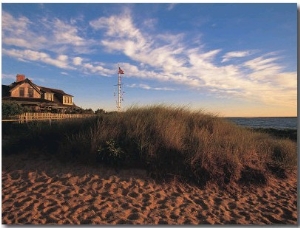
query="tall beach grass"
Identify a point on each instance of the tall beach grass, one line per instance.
(169, 142)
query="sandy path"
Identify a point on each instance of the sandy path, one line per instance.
(40, 190)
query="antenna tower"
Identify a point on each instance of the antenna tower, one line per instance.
(120, 93)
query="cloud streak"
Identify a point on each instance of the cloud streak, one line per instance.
(48, 34)
(163, 57)
(28, 55)
(147, 87)
(260, 78)
(235, 54)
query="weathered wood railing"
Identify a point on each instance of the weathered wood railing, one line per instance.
(28, 116)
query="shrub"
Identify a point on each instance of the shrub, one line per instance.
(193, 146)
(111, 154)
(11, 109)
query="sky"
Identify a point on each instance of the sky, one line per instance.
(237, 60)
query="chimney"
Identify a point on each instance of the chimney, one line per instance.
(20, 77)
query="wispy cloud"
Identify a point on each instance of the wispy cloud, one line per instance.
(77, 61)
(164, 57)
(176, 62)
(51, 34)
(8, 76)
(96, 68)
(235, 54)
(263, 67)
(61, 61)
(147, 87)
(123, 36)
(171, 6)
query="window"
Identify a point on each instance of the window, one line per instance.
(21, 92)
(30, 92)
(48, 96)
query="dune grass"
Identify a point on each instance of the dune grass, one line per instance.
(168, 142)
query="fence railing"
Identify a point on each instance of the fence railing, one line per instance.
(28, 116)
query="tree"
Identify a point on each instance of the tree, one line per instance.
(99, 111)
(88, 111)
(11, 109)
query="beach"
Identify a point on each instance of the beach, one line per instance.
(38, 189)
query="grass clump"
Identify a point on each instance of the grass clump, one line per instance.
(167, 141)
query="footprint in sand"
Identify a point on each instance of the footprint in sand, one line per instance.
(133, 216)
(201, 203)
(162, 222)
(133, 194)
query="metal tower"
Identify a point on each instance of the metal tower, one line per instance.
(120, 93)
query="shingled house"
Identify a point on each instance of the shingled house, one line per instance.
(39, 98)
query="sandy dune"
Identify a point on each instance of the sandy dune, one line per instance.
(39, 190)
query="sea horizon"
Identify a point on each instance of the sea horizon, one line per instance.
(259, 117)
(265, 122)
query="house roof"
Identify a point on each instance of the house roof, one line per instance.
(16, 84)
(56, 91)
(39, 89)
(5, 90)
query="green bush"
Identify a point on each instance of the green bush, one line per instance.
(11, 109)
(111, 154)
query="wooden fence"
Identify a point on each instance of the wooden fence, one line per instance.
(26, 117)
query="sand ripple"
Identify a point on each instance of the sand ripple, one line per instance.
(40, 190)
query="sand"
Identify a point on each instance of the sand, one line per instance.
(37, 189)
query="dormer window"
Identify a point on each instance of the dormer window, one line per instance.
(21, 92)
(30, 92)
(48, 96)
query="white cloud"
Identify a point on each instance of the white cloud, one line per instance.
(171, 6)
(287, 80)
(235, 54)
(261, 63)
(62, 58)
(117, 26)
(28, 55)
(263, 69)
(125, 37)
(20, 42)
(8, 76)
(16, 26)
(77, 61)
(174, 61)
(66, 34)
(96, 69)
(16, 32)
(51, 34)
(162, 57)
(150, 23)
(147, 87)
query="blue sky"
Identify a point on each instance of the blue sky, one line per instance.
(227, 59)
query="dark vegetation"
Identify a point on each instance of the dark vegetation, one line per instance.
(280, 133)
(11, 108)
(168, 142)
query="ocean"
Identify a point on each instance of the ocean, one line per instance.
(266, 122)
